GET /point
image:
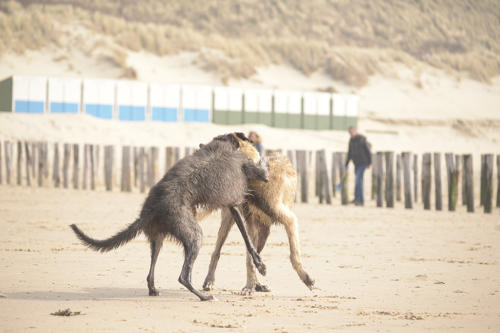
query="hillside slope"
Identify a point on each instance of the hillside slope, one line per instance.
(348, 41)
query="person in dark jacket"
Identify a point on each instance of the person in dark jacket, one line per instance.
(359, 153)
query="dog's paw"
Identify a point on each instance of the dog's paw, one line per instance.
(247, 291)
(210, 298)
(208, 285)
(154, 292)
(262, 288)
(309, 282)
(261, 267)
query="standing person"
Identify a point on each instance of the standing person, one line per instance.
(257, 142)
(359, 153)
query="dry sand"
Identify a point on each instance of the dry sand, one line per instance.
(377, 269)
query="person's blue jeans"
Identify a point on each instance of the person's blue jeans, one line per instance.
(358, 189)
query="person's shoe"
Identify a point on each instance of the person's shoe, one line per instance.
(357, 203)
(353, 201)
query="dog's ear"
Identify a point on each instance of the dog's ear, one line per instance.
(229, 138)
(242, 136)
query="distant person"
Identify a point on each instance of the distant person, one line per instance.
(359, 153)
(256, 141)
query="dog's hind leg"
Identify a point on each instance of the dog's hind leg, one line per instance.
(190, 235)
(258, 233)
(289, 220)
(255, 256)
(225, 226)
(156, 245)
(251, 275)
(263, 231)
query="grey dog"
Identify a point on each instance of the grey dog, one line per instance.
(216, 176)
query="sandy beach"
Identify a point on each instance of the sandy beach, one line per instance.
(388, 270)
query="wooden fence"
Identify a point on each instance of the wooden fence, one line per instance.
(94, 167)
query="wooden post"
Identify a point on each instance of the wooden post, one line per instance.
(135, 162)
(125, 183)
(426, 180)
(464, 185)
(177, 154)
(318, 180)
(344, 178)
(1, 162)
(302, 167)
(488, 182)
(407, 180)
(498, 180)
(324, 183)
(437, 181)
(67, 152)
(469, 182)
(19, 161)
(169, 158)
(141, 169)
(108, 167)
(28, 162)
(92, 167)
(45, 159)
(293, 161)
(75, 165)
(41, 159)
(85, 165)
(34, 164)
(458, 172)
(379, 179)
(482, 185)
(334, 174)
(55, 166)
(374, 176)
(7, 153)
(152, 166)
(415, 177)
(398, 177)
(318, 170)
(389, 179)
(452, 177)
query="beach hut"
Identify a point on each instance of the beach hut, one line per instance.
(27, 94)
(352, 110)
(288, 109)
(164, 101)
(258, 106)
(196, 103)
(64, 95)
(228, 106)
(98, 98)
(339, 112)
(131, 100)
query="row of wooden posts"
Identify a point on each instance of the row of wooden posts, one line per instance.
(387, 186)
(140, 168)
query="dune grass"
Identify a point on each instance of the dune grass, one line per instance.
(349, 40)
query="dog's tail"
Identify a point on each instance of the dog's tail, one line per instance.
(113, 242)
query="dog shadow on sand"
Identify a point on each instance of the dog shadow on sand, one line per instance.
(100, 294)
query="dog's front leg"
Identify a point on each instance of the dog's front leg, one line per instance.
(255, 256)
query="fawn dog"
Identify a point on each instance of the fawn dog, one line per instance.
(267, 203)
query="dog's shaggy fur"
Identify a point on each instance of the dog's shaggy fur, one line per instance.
(268, 203)
(216, 176)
